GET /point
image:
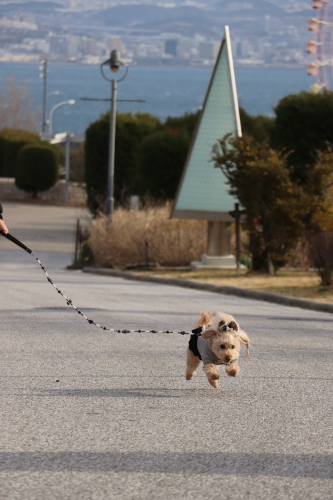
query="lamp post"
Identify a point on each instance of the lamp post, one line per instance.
(114, 62)
(43, 74)
(56, 92)
(70, 102)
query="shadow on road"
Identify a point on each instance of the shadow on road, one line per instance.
(246, 464)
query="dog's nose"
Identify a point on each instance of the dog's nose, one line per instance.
(227, 358)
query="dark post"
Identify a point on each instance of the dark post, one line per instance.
(236, 214)
(44, 94)
(237, 229)
(77, 241)
(147, 254)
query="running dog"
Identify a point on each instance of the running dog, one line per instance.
(215, 341)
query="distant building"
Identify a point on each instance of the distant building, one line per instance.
(185, 48)
(243, 49)
(115, 43)
(42, 46)
(171, 47)
(209, 50)
(91, 47)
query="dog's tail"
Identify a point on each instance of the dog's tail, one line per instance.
(204, 320)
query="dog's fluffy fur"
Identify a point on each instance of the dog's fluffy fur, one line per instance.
(224, 338)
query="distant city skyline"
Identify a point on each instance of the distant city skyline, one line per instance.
(264, 32)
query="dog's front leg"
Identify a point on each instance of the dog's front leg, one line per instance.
(212, 373)
(232, 370)
(192, 363)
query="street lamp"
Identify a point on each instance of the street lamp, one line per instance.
(70, 102)
(56, 92)
(114, 62)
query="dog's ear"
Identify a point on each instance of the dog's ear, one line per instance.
(204, 320)
(209, 334)
(244, 339)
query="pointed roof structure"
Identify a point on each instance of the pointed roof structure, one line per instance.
(203, 192)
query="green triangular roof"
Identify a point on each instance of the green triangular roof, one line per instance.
(203, 192)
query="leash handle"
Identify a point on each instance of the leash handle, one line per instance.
(16, 241)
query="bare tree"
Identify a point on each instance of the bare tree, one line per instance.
(16, 106)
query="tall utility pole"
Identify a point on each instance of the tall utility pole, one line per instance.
(114, 62)
(43, 74)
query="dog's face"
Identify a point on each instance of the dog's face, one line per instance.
(226, 347)
(224, 338)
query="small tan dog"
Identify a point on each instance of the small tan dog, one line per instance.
(216, 342)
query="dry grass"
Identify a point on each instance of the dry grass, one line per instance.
(174, 242)
(171, 242)
(299, 284)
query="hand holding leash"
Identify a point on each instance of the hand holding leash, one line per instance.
(3, 227)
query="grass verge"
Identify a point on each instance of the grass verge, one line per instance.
(298, 284)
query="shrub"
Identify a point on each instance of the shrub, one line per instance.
(275, 207)
(303, 126)
(321, 255)
(130, 131)
(37, 169)
(171, 242)
(161, 161)
(11, 142)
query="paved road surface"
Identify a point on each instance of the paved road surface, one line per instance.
(123, 423)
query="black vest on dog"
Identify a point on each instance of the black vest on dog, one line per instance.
(193, 345)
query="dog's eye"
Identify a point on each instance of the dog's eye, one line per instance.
(222, 346)
(233, 326)
(232, 347)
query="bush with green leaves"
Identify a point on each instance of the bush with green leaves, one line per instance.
(260, 127)
(320, 253)
(37, 169)
(11, 142)
(303, 126)
(275, 207)
(161, 159)
(131, 129)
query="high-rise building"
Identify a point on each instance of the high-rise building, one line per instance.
(171, 47)
(115, 43)
(209, 50)
(185, 47)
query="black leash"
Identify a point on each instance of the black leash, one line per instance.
(70, 303)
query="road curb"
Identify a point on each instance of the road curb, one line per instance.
(225, 290)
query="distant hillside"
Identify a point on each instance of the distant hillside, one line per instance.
(31, 7)
(184, 19)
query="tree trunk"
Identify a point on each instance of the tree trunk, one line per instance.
(270, 264)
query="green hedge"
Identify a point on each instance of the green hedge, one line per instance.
(130, 132)
(137, 171)
(11, 142)
(37, 169)
(161, 161)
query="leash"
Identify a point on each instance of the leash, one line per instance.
(69, 301)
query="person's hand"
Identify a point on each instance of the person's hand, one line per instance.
(3, 226)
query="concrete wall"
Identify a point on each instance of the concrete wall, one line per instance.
(9, 192)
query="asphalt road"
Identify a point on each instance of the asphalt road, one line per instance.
(86, 414)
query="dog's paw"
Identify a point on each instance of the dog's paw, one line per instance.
(232, 371)
(214, 383)
(189, 376)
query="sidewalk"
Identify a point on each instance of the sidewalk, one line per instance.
(43, 228)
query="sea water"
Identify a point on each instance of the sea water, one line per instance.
(166, 91)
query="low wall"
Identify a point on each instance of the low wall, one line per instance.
(9, 192)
